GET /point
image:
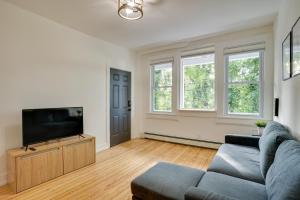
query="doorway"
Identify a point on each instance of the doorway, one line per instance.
(120, 106)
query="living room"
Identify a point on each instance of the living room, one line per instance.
(153, 91)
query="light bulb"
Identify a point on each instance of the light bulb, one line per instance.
(131, 4)
(128, 11)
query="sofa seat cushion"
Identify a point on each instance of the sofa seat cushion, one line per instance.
(165, 181)
(274, 134)
(231, 187)
(283, 177)
(238, 161)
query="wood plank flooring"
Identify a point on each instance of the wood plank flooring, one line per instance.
(110, 177)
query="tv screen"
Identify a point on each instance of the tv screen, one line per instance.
(41, 125)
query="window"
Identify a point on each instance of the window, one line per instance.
(162, 87)
(243, 83)
(198, 82)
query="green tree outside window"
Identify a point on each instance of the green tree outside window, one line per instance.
(162, 87)
(243, 88)
(198, 82)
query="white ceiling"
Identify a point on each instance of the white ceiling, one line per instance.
(164, 21)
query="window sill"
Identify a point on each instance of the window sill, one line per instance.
(239, 120)
(162, 113)
(227, 119)
(181, 113)
(242, 117)
(197, 111)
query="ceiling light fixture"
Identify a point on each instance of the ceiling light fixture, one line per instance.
(130, 9)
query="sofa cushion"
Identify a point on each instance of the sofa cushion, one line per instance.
(196, 193)
(165, 181)
(232, 187)
(238, 161)
(283, 177)
(274, 134)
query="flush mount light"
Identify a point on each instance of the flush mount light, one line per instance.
(131, 9)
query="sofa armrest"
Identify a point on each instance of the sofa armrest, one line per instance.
(195, 193)
(242, 140)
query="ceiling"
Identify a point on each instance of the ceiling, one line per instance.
(164, 21)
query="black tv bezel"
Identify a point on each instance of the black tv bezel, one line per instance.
(40, 141)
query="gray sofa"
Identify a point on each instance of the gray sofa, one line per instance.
(245, 167)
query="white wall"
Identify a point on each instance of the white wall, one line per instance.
(288, 91)
(209, 126)
(44, 64)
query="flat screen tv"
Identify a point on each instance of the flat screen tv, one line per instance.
(40, 125)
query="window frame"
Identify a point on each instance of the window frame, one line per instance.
(152, 87)
(260, 83)
(181, 83)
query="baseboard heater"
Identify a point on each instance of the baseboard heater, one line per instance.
(182, 140)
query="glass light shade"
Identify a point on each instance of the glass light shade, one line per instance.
(131, 9)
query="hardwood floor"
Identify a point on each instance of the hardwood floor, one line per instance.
(110, 177)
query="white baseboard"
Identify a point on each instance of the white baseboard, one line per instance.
(200, 143)
(3, 179)
(101, 147)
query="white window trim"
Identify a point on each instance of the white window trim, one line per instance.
(181, 84)
(152, 66)
(261, 87)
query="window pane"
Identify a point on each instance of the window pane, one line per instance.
(163, 75)
(296, 55)
(199, 95)
(162, 99)
(162, 87)
(198, 80)
(244, 67)
(243, 98)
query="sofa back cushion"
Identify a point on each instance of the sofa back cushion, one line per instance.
(273, 135)
(283, 177)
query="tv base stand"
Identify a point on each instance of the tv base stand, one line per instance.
(26, 148)
(47, 161)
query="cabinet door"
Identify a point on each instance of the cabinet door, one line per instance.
(39, 167)
(78, 155)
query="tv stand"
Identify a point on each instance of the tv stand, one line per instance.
(49, 160)
(81, 135)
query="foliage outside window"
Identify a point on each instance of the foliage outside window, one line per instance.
(198, 82)
(162, 87)
(243, 82)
